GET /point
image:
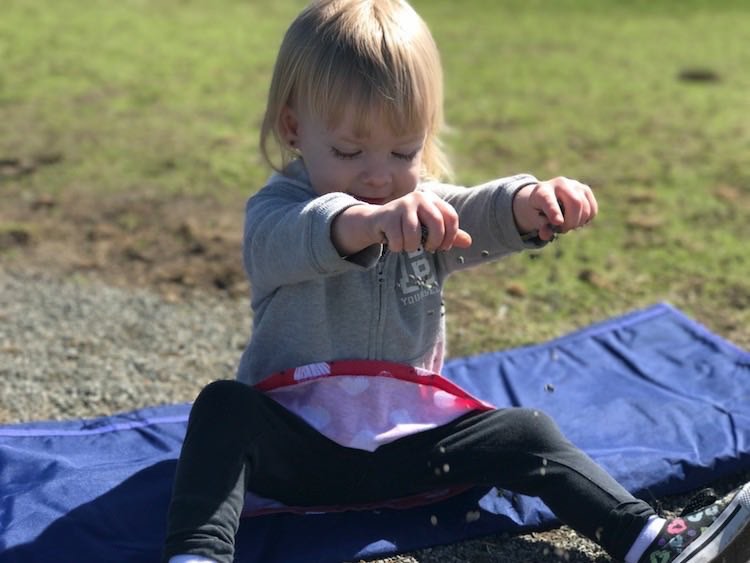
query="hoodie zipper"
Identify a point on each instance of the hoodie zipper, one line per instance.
(380, 325)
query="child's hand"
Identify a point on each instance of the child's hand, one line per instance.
(399, 224)
(554, 206)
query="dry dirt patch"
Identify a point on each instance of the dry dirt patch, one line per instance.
(174, 245)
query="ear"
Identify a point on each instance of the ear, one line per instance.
(289, 125)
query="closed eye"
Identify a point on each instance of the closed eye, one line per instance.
(344, 155)
(407, 156)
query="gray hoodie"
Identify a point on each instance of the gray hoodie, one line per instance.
(311, 305)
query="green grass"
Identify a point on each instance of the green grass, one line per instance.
(166, 97)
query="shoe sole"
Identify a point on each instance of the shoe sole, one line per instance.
(727, 540)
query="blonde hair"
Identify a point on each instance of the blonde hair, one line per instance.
(378, 55)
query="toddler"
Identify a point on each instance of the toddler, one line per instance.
(338, 398)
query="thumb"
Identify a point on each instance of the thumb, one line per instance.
(462, 240)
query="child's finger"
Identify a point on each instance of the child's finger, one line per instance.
(462, 240)
(411, 232)
(388, 224)
(393, 238)
(593, 205)
(433, 227)
(449, 219)
(548, 232)
(553, 216)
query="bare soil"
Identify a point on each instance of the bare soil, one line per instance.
(176, 246)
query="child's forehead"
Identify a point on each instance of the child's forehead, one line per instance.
(359, 124)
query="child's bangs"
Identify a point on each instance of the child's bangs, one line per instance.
(404, 111)
(394, 89)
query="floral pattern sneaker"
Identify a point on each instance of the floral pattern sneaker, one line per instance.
(719, 532)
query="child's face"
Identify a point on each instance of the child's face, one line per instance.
(376, 168)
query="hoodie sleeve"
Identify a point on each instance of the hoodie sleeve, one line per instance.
(287, 237)
(486, 213)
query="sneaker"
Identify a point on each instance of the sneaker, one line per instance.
(719, 532)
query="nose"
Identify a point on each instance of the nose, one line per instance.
(376, 173)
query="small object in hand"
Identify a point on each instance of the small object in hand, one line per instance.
(556, 228)
(425, 233)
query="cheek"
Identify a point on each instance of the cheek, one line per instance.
(409, 178)
(325, 176)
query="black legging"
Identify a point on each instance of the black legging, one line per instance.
(238, 439)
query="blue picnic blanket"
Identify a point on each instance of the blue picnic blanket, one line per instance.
(656, 398)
